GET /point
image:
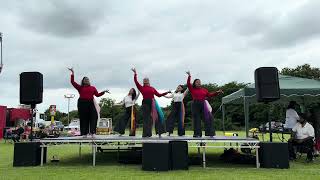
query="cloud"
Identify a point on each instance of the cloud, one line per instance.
(67, 19)
(218, 41)
(282, 29)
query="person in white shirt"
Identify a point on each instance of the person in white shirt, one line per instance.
(130, 113)
(178, 111)
(302, 136)
(292, 116)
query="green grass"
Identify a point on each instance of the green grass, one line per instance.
(72, 167)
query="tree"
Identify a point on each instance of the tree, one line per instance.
(74, 114)
(109, 110)
(60, 116)
(304, 71)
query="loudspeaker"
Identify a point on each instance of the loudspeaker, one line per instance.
(28, 154)
(267, 84)
(274, 155)
(179, 155)
(156, 157)
(31, 88)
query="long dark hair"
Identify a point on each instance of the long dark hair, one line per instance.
(181, 87)
(194, 83)
(134, 94)
(82, 84)
(303, 116)
(291, 105)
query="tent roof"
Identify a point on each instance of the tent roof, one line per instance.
(289, 86)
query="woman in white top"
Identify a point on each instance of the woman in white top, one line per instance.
(292, 116)
(130, 113)
(178, 111)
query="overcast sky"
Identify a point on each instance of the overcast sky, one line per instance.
(218, 41)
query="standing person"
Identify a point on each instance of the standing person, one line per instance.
(315, 121)
(200, 109)
(130, 113)
(178, 111)
(292, 116)
(86, 108)
(150, 108)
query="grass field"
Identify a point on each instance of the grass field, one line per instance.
(72, 167)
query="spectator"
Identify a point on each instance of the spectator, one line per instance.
(302, 136)
(292, 116)
(17, 134)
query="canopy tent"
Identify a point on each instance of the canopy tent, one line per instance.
(302, 90)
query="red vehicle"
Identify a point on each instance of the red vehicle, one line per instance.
(3, 114)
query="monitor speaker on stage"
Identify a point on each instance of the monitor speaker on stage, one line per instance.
(267, 84)
(28, 154)
(156, 157)
(31, 88)
(179, 155)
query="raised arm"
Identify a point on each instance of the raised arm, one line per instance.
(74, 84)
(189, 81)
(136, 79)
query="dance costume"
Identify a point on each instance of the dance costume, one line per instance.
(200, 109)
(150, 109)
(177, 113)
(86, 109)
(130, 113)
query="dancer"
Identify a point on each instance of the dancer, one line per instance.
(86, 105)
(150, 107)
(178, 111)
(200, 107)
(130, 113)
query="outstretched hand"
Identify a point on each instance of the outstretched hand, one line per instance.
(188, 72)
(71, 69)
(134, 70)
(106, 91)
(220, 91)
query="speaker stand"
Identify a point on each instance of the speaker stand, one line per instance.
(269, 119)
(33, 109)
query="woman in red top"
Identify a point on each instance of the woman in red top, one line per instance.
(87, 112)
(148, 106)
(199, 107)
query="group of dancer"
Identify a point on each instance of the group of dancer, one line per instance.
(151, 112)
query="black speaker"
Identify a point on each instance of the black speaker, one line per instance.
(28, 154)
(179, 155)
(267, 84)
(31, 88)
(274, 155)
(156, 157)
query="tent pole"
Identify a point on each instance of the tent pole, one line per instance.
(223, 118)
(246, 115)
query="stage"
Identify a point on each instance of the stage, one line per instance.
(133, 141)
